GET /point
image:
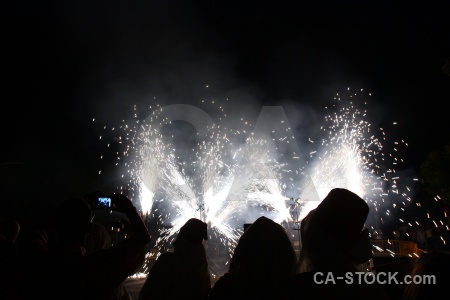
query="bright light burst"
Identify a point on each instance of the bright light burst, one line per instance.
(352, 155)
(214, 181)
(217, 182)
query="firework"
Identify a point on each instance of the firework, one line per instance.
(230, 176)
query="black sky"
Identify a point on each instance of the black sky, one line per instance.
(66, 62)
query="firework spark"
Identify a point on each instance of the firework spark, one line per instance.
(221, 179)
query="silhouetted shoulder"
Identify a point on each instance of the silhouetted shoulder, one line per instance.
(225, 288)
(165, 263)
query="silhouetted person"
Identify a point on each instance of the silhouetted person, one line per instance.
(183, 273)
(9, 259)
(97, 239)
(434, 263)
(264, 259)
(334, 244)
(68, 273)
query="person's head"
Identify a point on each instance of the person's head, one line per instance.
(189, 243)
(191, 236)
(434, 263)
(264, 254)
(194, 231)
(9, 230)
(73, 220)
(333, 234)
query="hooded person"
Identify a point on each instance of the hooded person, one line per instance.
(335, 243)
(183, 273)
(263, 260)
(333, 234)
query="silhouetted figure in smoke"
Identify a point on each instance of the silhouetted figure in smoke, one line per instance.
(434, 263)
(334, 244)
(9, 259)
(68, 273)
(183, 273)
(263, 260)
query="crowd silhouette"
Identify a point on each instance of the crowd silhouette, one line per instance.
(74, 254)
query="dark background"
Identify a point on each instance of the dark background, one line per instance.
(68, 62)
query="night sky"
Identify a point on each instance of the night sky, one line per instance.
(67, 62)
